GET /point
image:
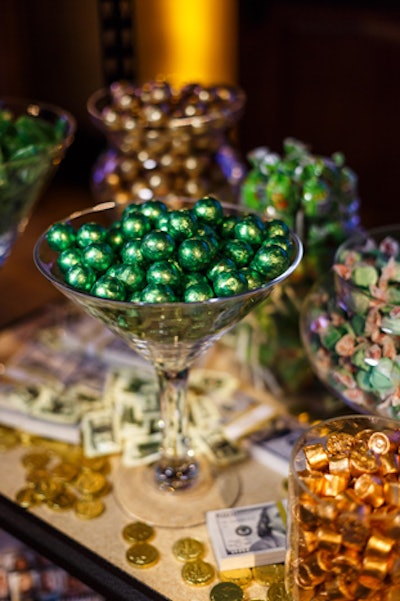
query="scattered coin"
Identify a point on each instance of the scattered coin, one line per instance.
(90, 482)
(35, 459)
(89, 508)
(47, 488)
(65, 471)
(35, 475)
(97, 464)
(8, 438)
(27, 497)
(241, 576)
(277, 592)
(142, 555)
(188, 549)
(269, 574)
(61, 501)
(137, 532)
(198, 572)
(226, 591)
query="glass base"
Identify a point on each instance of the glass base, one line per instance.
(137, 494)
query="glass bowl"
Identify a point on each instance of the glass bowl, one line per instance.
(167, 142)
(350, 323)
(34, 137)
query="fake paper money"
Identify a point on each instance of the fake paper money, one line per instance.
(100, 433)
(249, 536)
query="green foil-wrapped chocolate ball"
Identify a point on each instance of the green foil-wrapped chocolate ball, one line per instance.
(270, 261)
(250, 229)
(133, 277)
(240, 252)
(90, 233)
(158, 294)
(131, 253)
(275, 227)
(80, 277)
(219, 266)
(60, 236)
(182, 224)
(229, 283)
(209, 210)
(153, 210)
(98, 256)
(157, 245)
(68, 258)
(198, 293)
(164, 272)
(109, 287)
(194, 254)
(135, 225)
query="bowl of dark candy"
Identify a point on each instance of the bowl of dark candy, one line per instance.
(34, 137)
(350, 323)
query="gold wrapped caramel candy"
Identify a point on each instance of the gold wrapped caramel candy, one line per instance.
(329, 539)
(369, 489)
(391, 492)
(379, 545)
(339, 465)
(363, 463)
(316, 456)
(339, 444)
(344, 540)
(333, 484)
(379, 443)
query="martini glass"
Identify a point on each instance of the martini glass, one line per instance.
(33, 160)
(180, 487)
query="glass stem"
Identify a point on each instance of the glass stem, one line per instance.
(177, 467)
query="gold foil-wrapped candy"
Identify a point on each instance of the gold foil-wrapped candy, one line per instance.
(344, 507)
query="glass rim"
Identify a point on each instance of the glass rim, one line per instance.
(232, 111)
(109, 205)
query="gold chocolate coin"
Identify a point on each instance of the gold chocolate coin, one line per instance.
(137, 532)
(198, 572)
(268, 574)
(36, 459)
(97, 464)
(90, 482)
(226, 591)
(35, 475)
(62, 500)
(240, 576)
(89, 509)
(47, 488)
(277, 592)
(142, 555)
(65, 471)
(27, 497)
(8, 439)
(188, 549)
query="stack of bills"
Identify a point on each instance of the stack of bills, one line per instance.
(248, 536)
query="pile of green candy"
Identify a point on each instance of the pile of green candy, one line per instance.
(154, 254)
(26, 136)
(26, 157)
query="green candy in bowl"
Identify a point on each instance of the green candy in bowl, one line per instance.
(350, 323)
(34, 137)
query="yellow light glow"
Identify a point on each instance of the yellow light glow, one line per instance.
(187, 40)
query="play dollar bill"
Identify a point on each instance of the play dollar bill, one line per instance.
(100, 433)
(248, 536)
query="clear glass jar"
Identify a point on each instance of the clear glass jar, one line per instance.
(350, 323)
(163, 141)
(344, 511)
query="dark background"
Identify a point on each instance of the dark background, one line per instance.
(324, 72)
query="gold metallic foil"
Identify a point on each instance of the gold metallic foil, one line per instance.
(316, 456)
